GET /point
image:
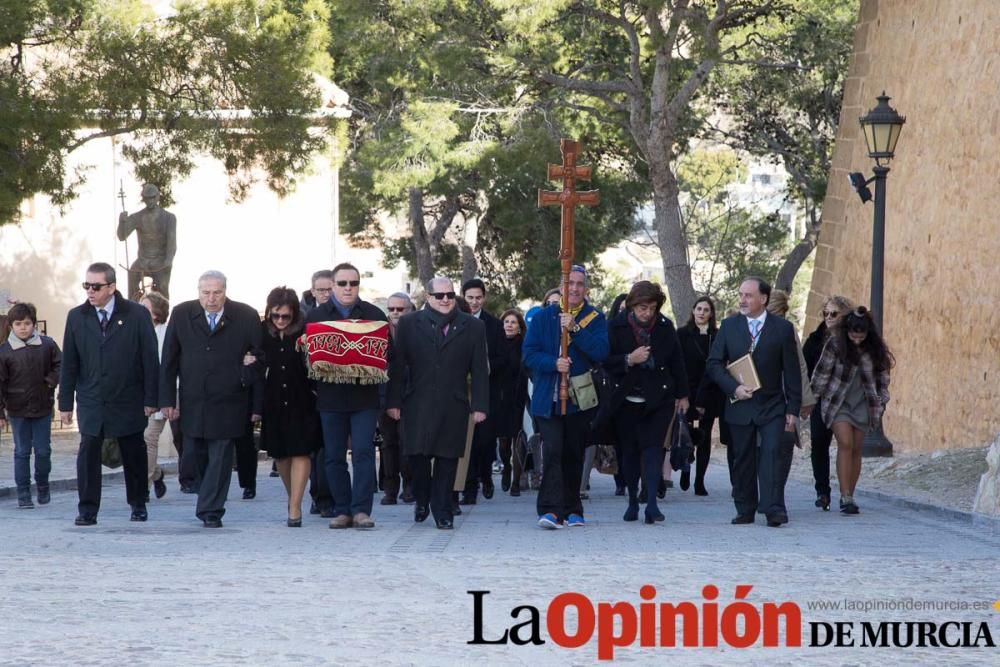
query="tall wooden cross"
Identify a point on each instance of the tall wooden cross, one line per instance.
(569, 197)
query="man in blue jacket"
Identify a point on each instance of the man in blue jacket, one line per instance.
(564, 437)
(110, 366)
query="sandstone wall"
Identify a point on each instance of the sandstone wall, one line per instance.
(940, 63)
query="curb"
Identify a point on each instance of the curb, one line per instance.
(70, 484)
(971, 518)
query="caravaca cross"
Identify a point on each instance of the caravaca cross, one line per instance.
(568, 198)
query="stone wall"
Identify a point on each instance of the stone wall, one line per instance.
(940, 63)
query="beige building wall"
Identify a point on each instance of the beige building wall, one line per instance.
(940, 63)
(259, 244)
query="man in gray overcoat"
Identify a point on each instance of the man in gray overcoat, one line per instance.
(440, 374)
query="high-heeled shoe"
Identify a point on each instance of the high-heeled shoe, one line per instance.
(294, 523)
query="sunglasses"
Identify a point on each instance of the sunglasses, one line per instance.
(831, 313)
(94, 286)
(395, 310)
(345, 283)
(441, 296)
(280, 316)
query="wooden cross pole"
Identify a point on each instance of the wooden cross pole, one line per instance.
(569, 197)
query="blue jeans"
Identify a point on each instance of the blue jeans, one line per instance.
(359, 426)
(32, 432)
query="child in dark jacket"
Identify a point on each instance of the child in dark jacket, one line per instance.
(29, 373)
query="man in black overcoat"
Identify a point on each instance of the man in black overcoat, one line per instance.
(762, 416)
(207, 345)
(109, 367)
(439, 376)
(484, 442)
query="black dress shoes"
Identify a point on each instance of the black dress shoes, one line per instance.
(86, 520)
(188, 489)
(294, 523)
(421, 513)
(742, 518)
(469, 498)
(388, 499)
(444, 524)
(699, 488)
(249, 494)
(139, 513)
(685, 480)
(775, 520)
(159, 488)
(212, 523)
(488, 488)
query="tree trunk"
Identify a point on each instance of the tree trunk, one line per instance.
(790, 267)
(469, 239)
(418, 235)
(671, 241)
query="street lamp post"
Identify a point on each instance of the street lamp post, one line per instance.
(881, 127)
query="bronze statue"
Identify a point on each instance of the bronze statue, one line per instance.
(157, 236)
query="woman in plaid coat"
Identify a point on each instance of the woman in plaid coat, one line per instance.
(851, 382)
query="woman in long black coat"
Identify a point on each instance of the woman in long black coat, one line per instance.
(290, 428)
(507, 409)
(650, 385)
(707, 400)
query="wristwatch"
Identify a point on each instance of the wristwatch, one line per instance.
(575, 328)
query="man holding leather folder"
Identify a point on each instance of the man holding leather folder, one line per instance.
(764, 406)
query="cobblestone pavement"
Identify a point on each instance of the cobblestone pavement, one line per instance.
(258, 593)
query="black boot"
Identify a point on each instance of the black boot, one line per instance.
(24, 498)
(43, 494)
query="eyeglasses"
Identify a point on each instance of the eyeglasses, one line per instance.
(441, 296)
(281, 316)
(396, 310)
(94, 286)
(831, 313)
(345, 283)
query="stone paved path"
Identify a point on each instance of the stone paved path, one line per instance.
(258, 593)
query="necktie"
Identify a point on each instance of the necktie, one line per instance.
(444, 331)
(104, 321)
(211, 321)
(754, 327)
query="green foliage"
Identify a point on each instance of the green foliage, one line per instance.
(230, 78)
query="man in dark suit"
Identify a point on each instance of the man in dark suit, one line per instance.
(213, 344)
(483, 439)
(437, 350)
(757, 420)
(109, 366)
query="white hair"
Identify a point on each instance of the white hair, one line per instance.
(429, 287)
(213, 275)
(404, 296)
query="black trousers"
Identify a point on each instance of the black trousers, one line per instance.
(563, 440)
(760, 471)
(641, 438)
(213, 474)
(246, 460)
(432, 485)
(393, 465)
(319, 487)
(820, 439)
(481, 457)
(88, 471)
(185, 464)
(703, 449)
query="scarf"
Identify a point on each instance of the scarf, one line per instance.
(641, 332)
(441, 320)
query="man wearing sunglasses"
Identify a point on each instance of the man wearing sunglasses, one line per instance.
(440, 353)
(394, 465)
(349, 412)
(206, 342)
(109, 368)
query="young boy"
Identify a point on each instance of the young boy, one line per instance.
(29, 373)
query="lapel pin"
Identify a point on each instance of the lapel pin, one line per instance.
(119, 322)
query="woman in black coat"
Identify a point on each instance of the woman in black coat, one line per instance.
(290, 426)
(508, 407)
(696, 341)
(650, 385)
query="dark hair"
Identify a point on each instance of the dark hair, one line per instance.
(550, 292)
(22, 311)
(344, 266)
(860, 320)
(473, 284)
(616, 305)
(762, 285)
(712, 324)
(322, 273)
(105, 268)
(520, 319)
(463, 305)
(159, 305)
(278, 297)
(645, 291)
